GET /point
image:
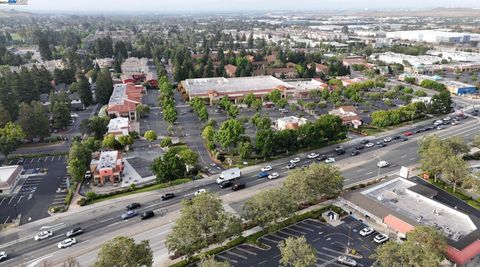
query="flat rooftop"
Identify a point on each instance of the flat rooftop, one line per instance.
(108, 159)
(404, 197)
(119, 94)
(6, 172)
(232, 85)
(306, 85)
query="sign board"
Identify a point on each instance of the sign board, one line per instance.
(404, 172)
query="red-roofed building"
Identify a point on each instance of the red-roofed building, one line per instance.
(124, 100)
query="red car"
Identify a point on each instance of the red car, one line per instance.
(408, 133)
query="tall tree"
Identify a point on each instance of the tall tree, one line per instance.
(229, 133)
(455, 170)
(104, 87)
(296, 252)
(84, 91)
(209, 261)
(61, 115)
(245, 150)
(150, 136)
(4, 115)
(123, 251)
(168, 167)
(44, 48)
(34, 120)
(10, 138)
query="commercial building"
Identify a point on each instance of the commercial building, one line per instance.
(8, 178)
(139, 70)
(303, 87)
(432, 36)
(459, 88)
(348, 114)
(124, 100)
(119, 127)
(212, 89)
(400, 205)
(106, 166)
(290, 123)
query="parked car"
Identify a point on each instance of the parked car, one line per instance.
(226, 184)
(355, 152)
(295, 160)
(366, 231)
(20, 161)
(407, 133)
(199, 191)
(382, 164)
(74, 232)
(369, 144)
(266, 168)
(147, 214)
(133, 206)
(346, 260)
(3, 255)
(43, 235)
(380, 238)
(129, 214)
(291, 166)
(330, 160)
(262, 174)
(273, 176)
(238, 186)
(340, 151)
(313, 155)
(88, 175)
(67, 243)
(167, 196)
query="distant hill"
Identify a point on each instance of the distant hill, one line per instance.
(436, 12)
(12, 13)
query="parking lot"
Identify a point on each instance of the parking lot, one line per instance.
(38, 192)
(329, 242)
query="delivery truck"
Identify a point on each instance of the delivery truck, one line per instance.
(229, 175)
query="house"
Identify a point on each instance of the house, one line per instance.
(124, 100)
(9, 176)
(104, 62)
(321, 68)
(139, 70)
(119, 127)
(348, 114)
(400, 205)
(290, 122)
(346, 81)
(354, 60)
(75, 102)
(230, 70)
(106, 167)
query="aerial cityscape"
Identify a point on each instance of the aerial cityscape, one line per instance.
(242, 133)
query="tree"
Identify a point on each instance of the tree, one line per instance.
(79, 158)
(267, 207)
(317, 180)
(476, 141)
(441, 103)
(4, 115)
(142, 110)
(229, 133)
(209, 261)
(44, 48)
(296, 252)
(202, 220)
(10, 138)
(424, 246)
(457, 145)
(150, 135)
(455, 170)
(188, 156)
(208, 133)
(125, 140)
(257, 104)
(245, 149)
(84, 91)
(265, 142)
(166, 142)
(433, 154)
(109, 141)
(95, 125)
(248, 100)
(34, 120)
(123, 251)
(232, 111)
(169, 114)
(61, 115)
(168, 167)
(104, 87)
(274, 96)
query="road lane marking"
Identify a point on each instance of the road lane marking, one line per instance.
(35, 262)
(11, 200)
(413, 158)
(6, 220)
(369, 173)
(2, 201)
(59, 157)
(403, 156)
(52, 226)
(21, 196)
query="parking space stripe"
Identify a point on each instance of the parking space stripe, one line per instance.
(2, 201)
(262, 262)
(303, 228)
(289, 234)
(270, 240)
(294, 230)
(6, 220)
(31, 161)
(11, 200)
(246, 251)
(227, 259)
(332, 250)
(236, 254)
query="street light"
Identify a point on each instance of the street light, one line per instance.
(352, 224)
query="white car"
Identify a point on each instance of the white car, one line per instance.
(387, 139)
(346, 260)
(199, 191)
(369, 144)
(313, 155)
(380, 238)
(382, 164)
(43, 235)
(273, 176)
(67, 243)
(295, 160)
(88, 175)
(366, 231)
(266, 168)
(447, 118)
(440, 127)
(3, 255)
(330, 160)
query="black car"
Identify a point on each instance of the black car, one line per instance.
(355, 152)
(74, 232)
(168, 196)
(417, 131)
(236, 187)
(396, 137)
(359, 147)
(322, 157)
(226, 184)
(365, 141)
(133, 206)
(20, 161)
(147, 214)
(403, 139)
(381, 144)
(340, 151)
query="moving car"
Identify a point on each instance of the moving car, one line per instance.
(382, 164)
(366, 231)
(291, 166)
(387, 139)
(359, 147)
(364, 142)
(74, 232)
(313, 155)
(340, 151)
(67, 243)
(262, 174)
(266, 168)
(346, 260)
(237, 186)
(380, 238)
(295, 160)
(168, 196)
(369, 145)
(355, 152)
(273, 176)
(381, 144)
(129, 214)
(133, 206)
(147, 214)
(3, 255)
(322, 157)
(226, 184)
(403, 139)
(330, 160)
(440, 127)
(396, 137)
(43, 235)
(199, 191)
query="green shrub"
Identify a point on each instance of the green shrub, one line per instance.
(82, 201)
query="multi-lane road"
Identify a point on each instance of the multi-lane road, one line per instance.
(102, 221)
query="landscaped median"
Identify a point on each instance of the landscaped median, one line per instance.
(92, 197)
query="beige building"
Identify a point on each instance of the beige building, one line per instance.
(9, 176)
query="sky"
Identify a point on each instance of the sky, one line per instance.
(168, 6)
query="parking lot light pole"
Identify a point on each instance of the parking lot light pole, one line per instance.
(350, 225)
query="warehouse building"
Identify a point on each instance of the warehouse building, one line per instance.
(432, 36)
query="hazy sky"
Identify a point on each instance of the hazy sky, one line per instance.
(166, 6)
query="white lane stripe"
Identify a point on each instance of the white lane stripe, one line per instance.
(11, 200)
(6, 220)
